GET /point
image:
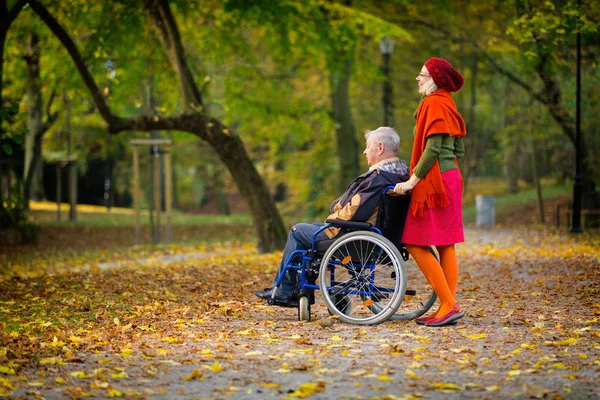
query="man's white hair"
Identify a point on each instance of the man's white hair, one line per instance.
(387, 136)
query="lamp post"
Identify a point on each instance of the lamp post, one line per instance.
(110, 69)
(386, 45)
(578, 182)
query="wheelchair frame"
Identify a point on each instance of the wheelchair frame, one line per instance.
(315, 266)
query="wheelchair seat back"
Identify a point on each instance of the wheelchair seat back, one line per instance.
(392, 216)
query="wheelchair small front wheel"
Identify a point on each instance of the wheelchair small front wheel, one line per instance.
(304, 308)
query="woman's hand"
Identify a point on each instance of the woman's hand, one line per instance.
(403, 187)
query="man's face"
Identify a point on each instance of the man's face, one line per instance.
(373, 151)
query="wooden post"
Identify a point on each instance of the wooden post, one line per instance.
(58, 190)
(156, 184)
(156, 189)
(136, 192)
(168, 194)
(73, 190)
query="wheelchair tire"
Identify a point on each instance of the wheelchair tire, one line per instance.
(343, 303)
(304, 308)
(419, 296)
(363, 268)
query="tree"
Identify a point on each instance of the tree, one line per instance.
(36, 125)
(194, 119)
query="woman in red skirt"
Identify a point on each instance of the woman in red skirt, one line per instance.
(435, 215)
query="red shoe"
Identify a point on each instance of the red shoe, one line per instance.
(454, 315)
(423, 321)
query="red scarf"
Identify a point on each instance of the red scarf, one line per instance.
(436, 114)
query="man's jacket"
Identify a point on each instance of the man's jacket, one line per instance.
(361, 199)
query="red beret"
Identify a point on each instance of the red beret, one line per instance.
(444, 75)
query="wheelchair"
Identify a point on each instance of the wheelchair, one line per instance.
(364, 272)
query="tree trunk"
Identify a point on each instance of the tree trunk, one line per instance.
(471, 127)
(347, 145)
(268, 224)
(536, 179)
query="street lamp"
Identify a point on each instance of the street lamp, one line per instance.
(578, 182)
(386, 45)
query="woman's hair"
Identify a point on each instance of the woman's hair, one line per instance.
(387, 136)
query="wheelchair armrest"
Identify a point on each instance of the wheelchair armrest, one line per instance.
(349, 224)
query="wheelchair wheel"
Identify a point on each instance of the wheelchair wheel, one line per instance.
(343, 303)
(419, 296)
(304, 308)
(359, 270)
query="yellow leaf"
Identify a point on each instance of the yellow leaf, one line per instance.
(79, 374)
(566, 342)
(125, 353)
(528, 346)
(51, 361)
(59, 380)
(384, 377)
(445, 386)
(514, 372)
(411, 374)
(57, 343)
(36, 383)
(120, 375)
(6, 370)
(216, 367)
(196, 374)
(270, 385)
(76, 339)
(254, 353)
(114, 393)
(492, 388)
(336, 338)
(308, 389)
(170, 339)
(477, 336)
(358, 373)
(295, 337)
(245, 332)
(116, 321)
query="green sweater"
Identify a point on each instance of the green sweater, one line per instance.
(441, 147)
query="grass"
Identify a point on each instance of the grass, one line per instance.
(45, 213)
(505, 204)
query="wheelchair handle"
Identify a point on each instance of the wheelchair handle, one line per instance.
(391, 187)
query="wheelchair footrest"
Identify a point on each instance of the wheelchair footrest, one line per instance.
(289, 303)
(410, 292)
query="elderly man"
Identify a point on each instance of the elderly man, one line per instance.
(358, 203)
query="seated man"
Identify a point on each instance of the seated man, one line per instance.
(359, 203)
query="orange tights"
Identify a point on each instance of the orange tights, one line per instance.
(442, 275)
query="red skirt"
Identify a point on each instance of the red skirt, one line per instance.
(438, 226)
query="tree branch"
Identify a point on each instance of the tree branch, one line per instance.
(499, 68)
(168, 34)
(13, 12)
(66, 40)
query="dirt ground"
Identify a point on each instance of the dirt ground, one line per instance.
(190, 329)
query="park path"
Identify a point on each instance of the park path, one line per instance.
(532, 330)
